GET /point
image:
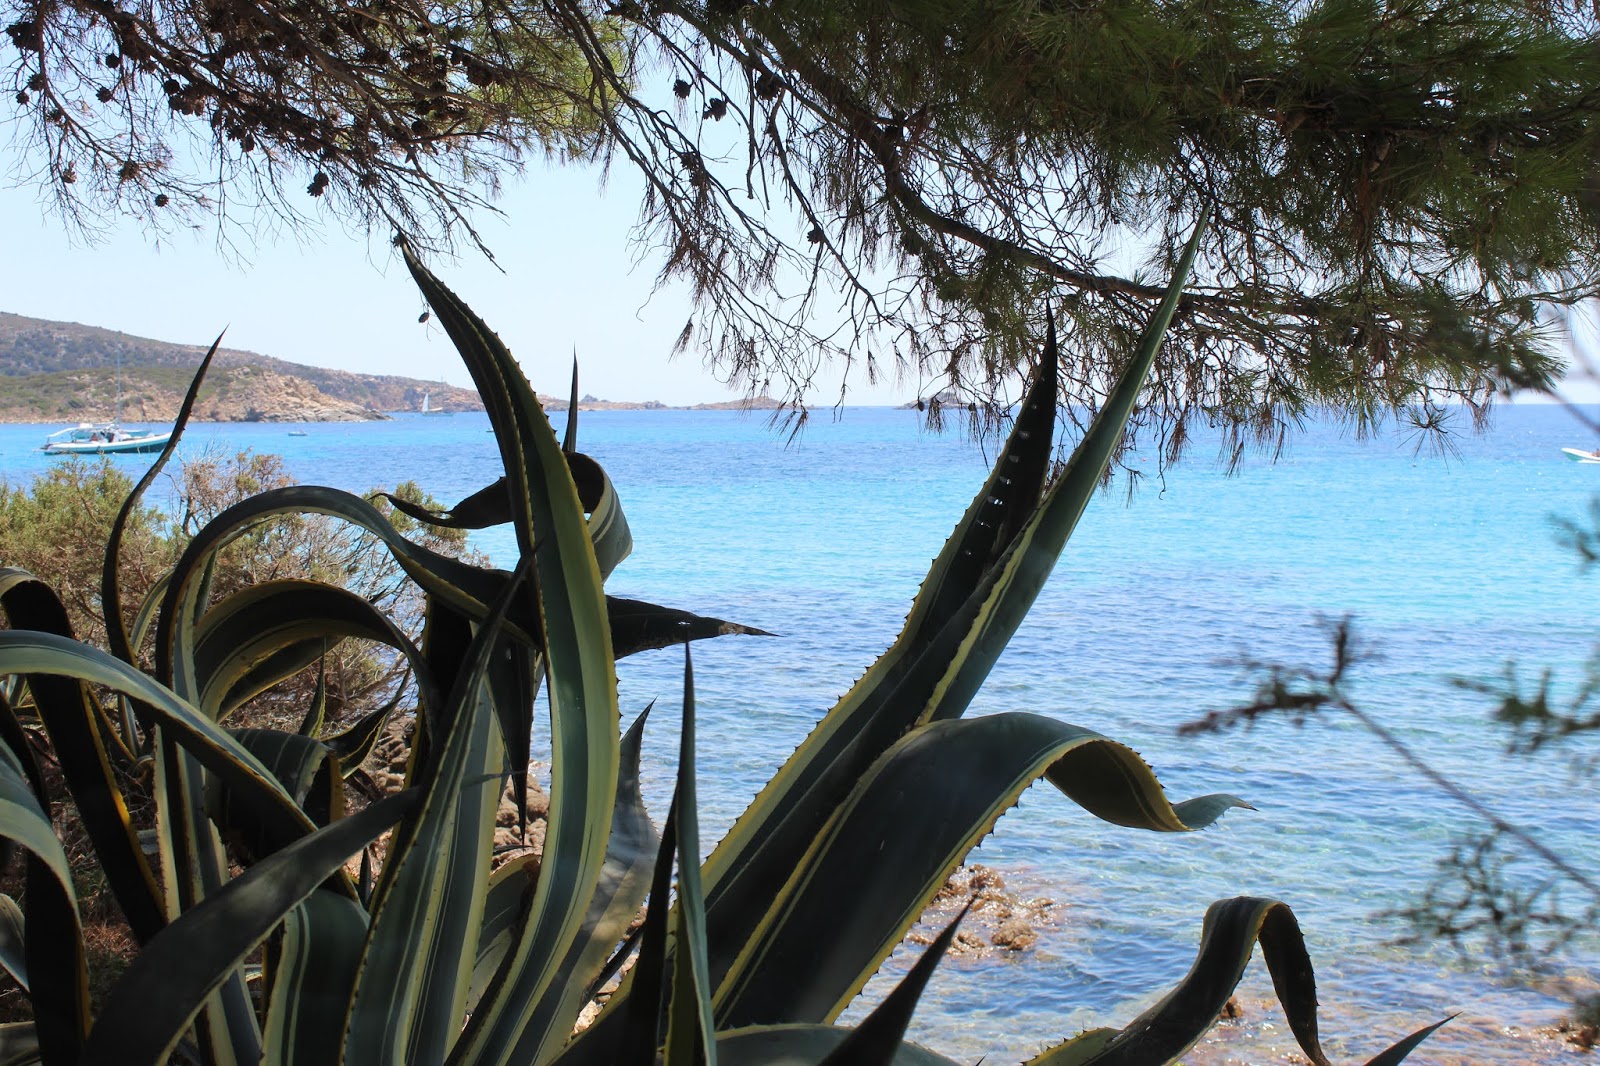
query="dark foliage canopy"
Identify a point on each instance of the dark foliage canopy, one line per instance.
(1402, 190)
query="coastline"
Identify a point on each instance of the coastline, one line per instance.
(335, 414)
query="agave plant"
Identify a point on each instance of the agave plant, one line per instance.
(258, 944)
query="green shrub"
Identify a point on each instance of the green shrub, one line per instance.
(57, 530)
(428, 957)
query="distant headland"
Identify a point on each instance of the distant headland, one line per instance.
(66, 372)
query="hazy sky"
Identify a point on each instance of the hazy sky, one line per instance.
(568, 277)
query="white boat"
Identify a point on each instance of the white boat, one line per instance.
(98, 438)
(1579, 455)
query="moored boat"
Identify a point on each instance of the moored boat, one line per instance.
(99, 438)
(102, 438)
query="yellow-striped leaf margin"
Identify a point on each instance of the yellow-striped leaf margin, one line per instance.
(312, 972)
(624, 881)
(1033, 556)
(70, 714)
(691, 1032)
(58, 976)
(239, 639)
(409, 997)
(549, 521)
(976, 594)
(942, 788)
(31, 652)
(878, 1038)
(152, 1003)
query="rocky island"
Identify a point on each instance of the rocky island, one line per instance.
(66, 372)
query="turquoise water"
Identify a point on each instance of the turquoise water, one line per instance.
(1450, 567)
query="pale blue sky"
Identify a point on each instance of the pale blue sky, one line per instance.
(568, 277)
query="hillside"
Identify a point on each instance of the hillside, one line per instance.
(62, 371)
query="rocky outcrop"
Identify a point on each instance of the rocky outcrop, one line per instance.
(256, 394)
(230, 394)
(749, 403)
(999, 921)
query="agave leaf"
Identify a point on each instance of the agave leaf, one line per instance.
(238, 640)
(1169, 1028)
(750, 864)
(1397, 1053)
(13, 737)
(257, 672)
(145, 616)
(447, 636)
(514, 674)
(464, 586)
(193, 867)
(942, 787)
(153, 1002)
(72, 720)
(880, 1035)
(804, 1045)
(492, 506)
(639, 626)
(353, 745)
(548, 519)
(624, 880)
(53, 960)
(117, 635)
(691, 1033)
(19, 1044)
(569, 436)
(962, 619)
(410, 992)
(489, 506)
(307, 769)
(317, 709)
(13, 941)
(608, 526)
(506, 904)
(1033, 556)
(314, 971)
(23, 651)
(637, 1027)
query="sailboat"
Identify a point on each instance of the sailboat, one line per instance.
(427, 406)
(99, 438)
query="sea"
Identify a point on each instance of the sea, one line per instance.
(1450, 564)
